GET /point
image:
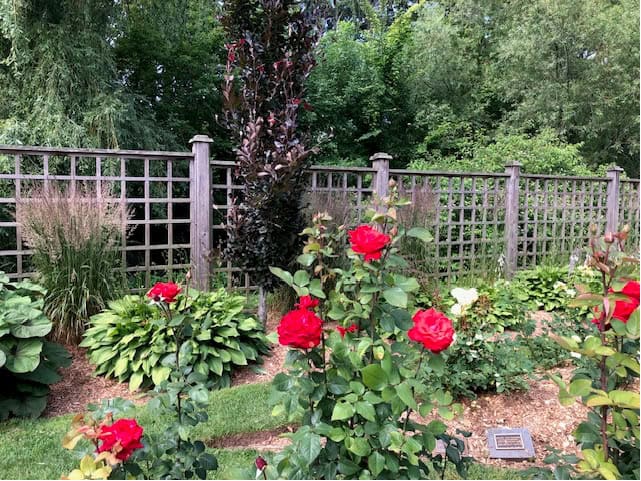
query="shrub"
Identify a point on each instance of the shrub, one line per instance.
(355, 387)
(28, 362)
(74, 236)
(128, 341)
(609, 437)
(482, 362)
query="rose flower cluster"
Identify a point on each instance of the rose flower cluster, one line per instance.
(302, 328)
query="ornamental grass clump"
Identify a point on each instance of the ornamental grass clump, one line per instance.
(74, 235)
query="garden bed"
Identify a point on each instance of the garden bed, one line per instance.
(532, 409)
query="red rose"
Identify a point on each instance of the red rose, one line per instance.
(622, 309)
(260, 463)
(306, 302)
(300, 328)
(367, 240)
(343, 330)
(122, 438)
(164, 292)
(432, 329)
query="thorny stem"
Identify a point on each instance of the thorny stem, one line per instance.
(319, 257)
(606, 283)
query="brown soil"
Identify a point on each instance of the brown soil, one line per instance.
(80, 387)
(272, 364)
(261, 441)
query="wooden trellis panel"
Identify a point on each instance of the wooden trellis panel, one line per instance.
(555, 214)
(155, 186)
(465, 213)
(629, 208)
(480, 222)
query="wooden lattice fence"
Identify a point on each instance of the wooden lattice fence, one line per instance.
(481, 222)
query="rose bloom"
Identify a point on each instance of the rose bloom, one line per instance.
(622, 309)
(122, 438)
(164, 292)
(261, 464)
(306, 302)
(432, 329)
(368, 241)
(300, 328)
(342, 330)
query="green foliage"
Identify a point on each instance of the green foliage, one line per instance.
(130, 342)
(28, 362)
(169, 55)
(61, 89)
(482, 362)
(355, 393)
(346, 91)
(544, 287)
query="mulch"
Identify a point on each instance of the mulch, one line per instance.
(79, 387)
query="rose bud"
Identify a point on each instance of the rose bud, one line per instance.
(392, 183)
(594, 229)
(608, 237)
(260, 463)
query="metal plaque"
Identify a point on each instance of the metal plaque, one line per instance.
(509, 443)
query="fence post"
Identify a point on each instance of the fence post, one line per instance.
(614, 187)
(380, 163)
(200, 203)
(511, 217)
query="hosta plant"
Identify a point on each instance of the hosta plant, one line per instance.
(28, 362)
(128, 342)
(545, 287)
(354, 386)
(609, 437)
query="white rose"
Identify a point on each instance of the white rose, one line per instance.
(465, 297)
(456, 309)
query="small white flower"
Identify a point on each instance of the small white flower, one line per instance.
(571, 292)
(456, 309)
(465, 297)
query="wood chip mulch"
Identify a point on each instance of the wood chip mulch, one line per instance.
(80, 387)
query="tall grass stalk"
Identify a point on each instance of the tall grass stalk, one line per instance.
(74, 235)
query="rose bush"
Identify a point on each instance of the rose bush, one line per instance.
(183, 395)
(609, 437)
(354, 390)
